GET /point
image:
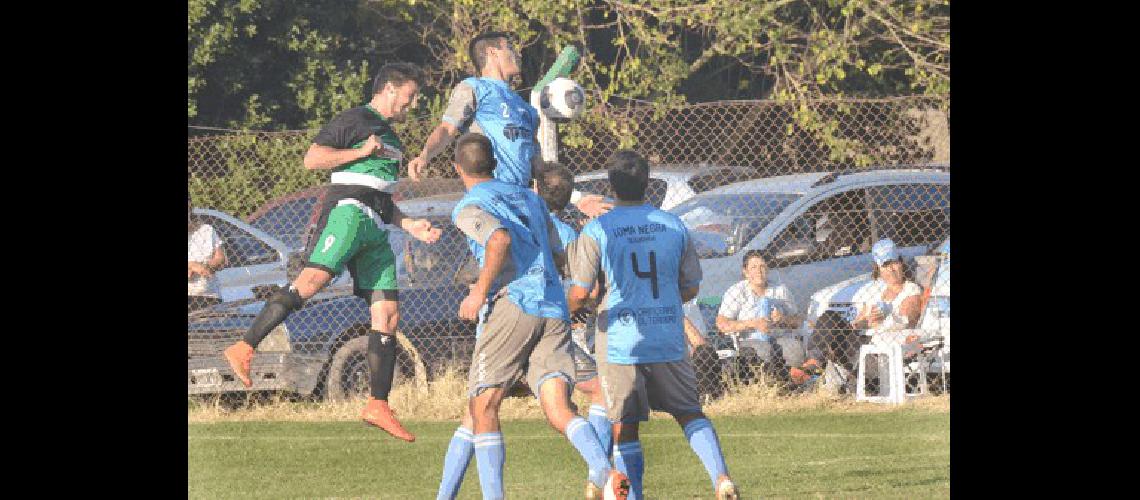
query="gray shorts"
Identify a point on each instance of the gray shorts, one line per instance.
(514, 344)
(631, 391)
(585, 366)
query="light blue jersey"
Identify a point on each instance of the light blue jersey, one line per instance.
(566, 234)
(647, 258)
(530, 275)
(510, 123)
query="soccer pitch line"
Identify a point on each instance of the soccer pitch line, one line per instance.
(670, 435)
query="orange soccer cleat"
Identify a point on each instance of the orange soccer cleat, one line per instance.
(239, 356)
(378, 413)
(617, 486)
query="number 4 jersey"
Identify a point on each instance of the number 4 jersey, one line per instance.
(646, 258)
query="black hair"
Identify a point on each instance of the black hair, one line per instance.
(477, 48)
(398, 74)
(473, 154)
(629, 175)
(555, 185)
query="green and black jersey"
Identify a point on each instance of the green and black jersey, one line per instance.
(349, 130)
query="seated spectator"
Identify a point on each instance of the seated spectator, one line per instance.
(755, 308)
(204, 256)
(885, 307)
(891, 302)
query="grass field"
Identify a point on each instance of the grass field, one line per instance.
(899, 453)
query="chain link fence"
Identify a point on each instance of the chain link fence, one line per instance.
(807, 187)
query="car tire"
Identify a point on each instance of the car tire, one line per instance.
(348, 377)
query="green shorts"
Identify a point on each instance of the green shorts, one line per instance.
(352, 238)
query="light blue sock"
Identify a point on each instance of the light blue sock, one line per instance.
(582, 436)
(702, 438)
(629, 459)
(490, 454)
(602, 427)
(455, 463)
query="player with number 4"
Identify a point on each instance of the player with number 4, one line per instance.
(650, 268)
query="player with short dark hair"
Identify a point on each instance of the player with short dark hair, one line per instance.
(650, 268)
(488, 105)
(525, 331)
(554, 183)
(364, 154)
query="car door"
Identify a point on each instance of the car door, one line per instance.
(251, 261)
(827, 242)
(913, 215)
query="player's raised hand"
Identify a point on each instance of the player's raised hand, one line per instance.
(421, 229)
(415, 166)
(371, 145)
(594, 205)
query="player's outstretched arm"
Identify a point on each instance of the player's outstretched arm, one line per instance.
(498, 247)
(420, 229)
(438, 141)
(320, 157)
(593, 205)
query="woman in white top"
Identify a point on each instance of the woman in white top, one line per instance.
(890, 302)
(204, 255)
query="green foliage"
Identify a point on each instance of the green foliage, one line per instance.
(292, 64)
(253, 170)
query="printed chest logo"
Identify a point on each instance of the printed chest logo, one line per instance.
(328, 243)
(514, 132)
(626, 317)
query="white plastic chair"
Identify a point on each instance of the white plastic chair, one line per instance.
(893, 378)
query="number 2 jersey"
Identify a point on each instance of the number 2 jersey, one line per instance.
(646, 257)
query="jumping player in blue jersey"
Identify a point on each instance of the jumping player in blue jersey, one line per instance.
(487, 105)
(650, 268)
(526, 331)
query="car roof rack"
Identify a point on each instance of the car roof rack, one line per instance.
(832, 176)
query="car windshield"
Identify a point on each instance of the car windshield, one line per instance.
(721, 224)
(287, 222)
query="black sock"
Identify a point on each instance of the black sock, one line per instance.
(279, 306)
(381, 363)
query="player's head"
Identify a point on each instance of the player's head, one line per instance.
(629, 175)
(495, 50)
(754, 268)
(474, 157)
(555, 184)
(395, 88)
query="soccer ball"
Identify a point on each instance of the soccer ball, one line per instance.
(562, 99)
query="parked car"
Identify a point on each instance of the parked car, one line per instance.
(669, 185)
(321, 347)
(287, 217)
(254, 259)
(814, 228)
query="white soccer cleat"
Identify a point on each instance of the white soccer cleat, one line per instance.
(726, 490)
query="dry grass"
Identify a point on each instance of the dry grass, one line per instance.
(443, 399)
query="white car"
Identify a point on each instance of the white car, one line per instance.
(814, 229)
(670, 185)
(253, 258)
